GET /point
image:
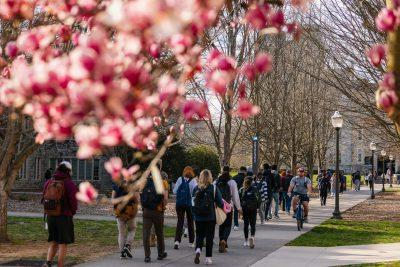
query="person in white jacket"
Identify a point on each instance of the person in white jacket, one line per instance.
(230, 194)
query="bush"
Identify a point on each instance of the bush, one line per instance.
(203, 157)
(173, 161)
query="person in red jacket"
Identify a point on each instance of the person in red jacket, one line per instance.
(61, 228)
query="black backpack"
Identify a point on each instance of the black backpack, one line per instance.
(203, 202)
(225, 189)
(149, 197)
(250, 199)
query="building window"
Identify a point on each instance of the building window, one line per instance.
(81, 169)
(22, 172)
(38, 169)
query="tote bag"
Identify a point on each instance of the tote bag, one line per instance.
(220, 215)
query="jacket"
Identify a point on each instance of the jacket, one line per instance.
(276, 182)
(70, 205)
(267, 178)
(217, 199)
(286, 182)
(239, 179)
(235, 200)
(262, 189)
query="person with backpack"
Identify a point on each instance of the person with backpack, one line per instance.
(60, 205)
(230, 194)
(250, 199)
(125, 212)
(287, 200)
(275, 181)
(206, 197)
(154, 205)
(183, 190)
(239, 178)
(357, 180)
(267, 178)
(262, 190)
(323, 185)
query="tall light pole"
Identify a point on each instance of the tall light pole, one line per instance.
(391, 166)
(337, 123)
(383, 154)
(372, 146)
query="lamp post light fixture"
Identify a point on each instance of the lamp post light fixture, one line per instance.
(372, 146)
(383, 154)
(337, 123)
(391, 166)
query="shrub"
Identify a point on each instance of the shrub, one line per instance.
(173, 161)
(203, 157)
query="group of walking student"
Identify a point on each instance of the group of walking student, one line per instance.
(203, 201)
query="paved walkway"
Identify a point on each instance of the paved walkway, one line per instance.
(332, 256)
(269, 238)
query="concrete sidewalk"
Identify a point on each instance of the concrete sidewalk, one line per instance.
(269, 238)
(331, 256)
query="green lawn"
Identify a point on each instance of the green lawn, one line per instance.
(345, 233)
(378, 264)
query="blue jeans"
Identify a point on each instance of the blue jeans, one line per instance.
(236, 218)
(287, 200)
(275, 196)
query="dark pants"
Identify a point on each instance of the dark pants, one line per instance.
(180, 211)
(236, 217)
(323, 193)
(205, 230)
(287, 201)
(269, 203)
(225, 228)
(249, 218)
(150, 218)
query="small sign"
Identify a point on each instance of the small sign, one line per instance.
(256, 154)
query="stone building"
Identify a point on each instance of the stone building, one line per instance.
(32, 173)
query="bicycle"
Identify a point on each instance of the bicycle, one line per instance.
(300, 213)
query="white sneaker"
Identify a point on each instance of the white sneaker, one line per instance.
(246, 244)
(263, 223)
(251, 242)
(176, 246)
(191, 245)
(208, 261)
(185, 233)
(235, 228)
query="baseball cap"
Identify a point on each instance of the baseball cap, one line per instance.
(67, 164)
(301, 169)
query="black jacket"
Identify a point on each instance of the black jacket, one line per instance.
(239, 179)
(276, 182)
(267, 178)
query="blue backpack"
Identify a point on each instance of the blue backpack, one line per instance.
(183, 198)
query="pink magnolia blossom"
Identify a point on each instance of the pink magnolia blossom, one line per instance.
(11, 49)
(17, 8)
(111, 132)
(246, 109)
(302, 4)
(128, 173)
(276, 19)
(87, 137)
(249, 71)
(386, 99)
(387, 20)
(388, 82)
(194, 110)
(256, 17)
(114, 166)
(376, 54)
(218, 81)
(87, 193)
(263, 63)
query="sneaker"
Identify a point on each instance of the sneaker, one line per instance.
(246, 243)
(251, 242)
(235, 228)
(288, 212)
(208, 261)
(197, 258)
(305, 219)
(191, 245)
(176, 246)
(162, 256)
(185, 233)
(127, 250)
(263, 223)
(47, 264)
(222, 246)
(123, 254)
(276, 216)
(269, 217)
(147, 260)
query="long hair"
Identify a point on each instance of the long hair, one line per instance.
(246, 183)
(205, 179)
(188, 172)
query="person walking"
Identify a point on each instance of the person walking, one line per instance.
(250, 200)
(154, 206)
(125, 212)
(342, 182)
(268, 179)
(60, 205)
(275, 187)
(287, 200)
(230, 194)
(205, 197)
(183, 191)
(323, 185)
(357, 180)
(333, 184)
(262, 192)
(239, 178)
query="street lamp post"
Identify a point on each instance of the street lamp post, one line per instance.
(383, 153)
(391, 166)
(337, 123)
(372, 146)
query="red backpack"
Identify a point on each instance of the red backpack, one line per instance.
(53, 197)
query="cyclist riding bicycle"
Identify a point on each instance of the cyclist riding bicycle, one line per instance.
(300, 188)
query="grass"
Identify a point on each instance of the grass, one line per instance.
(378, 264)
(90, 236)
(333, 233)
